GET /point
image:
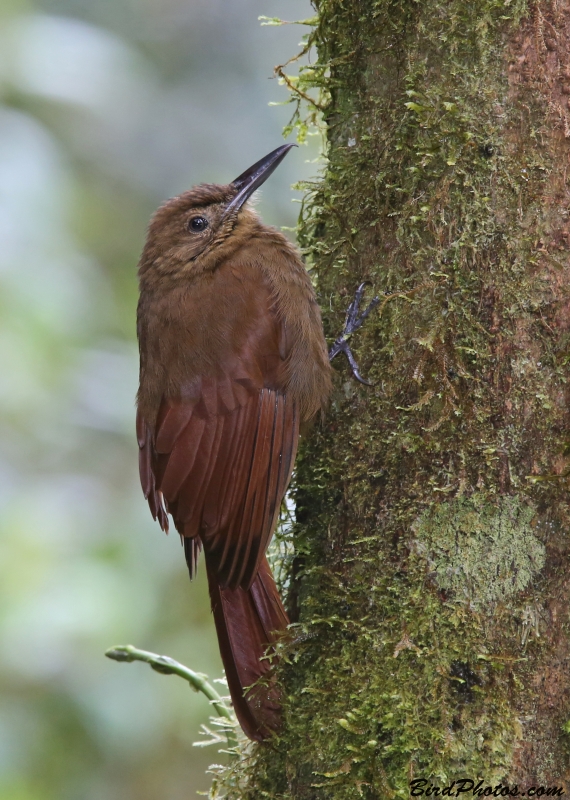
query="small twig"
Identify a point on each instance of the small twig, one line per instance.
(168, 666)
(295, 89)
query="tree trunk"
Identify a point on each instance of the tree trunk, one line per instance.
(431, 567)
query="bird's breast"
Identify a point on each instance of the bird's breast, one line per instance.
(219, 324)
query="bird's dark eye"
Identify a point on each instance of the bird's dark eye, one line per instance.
(198, 224)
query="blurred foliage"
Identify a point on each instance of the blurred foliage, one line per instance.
(107, 107)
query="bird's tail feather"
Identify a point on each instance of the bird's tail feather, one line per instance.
(247, 622)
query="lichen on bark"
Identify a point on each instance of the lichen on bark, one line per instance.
(445, 187)
(482, 552)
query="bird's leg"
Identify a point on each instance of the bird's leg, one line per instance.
(352, 323)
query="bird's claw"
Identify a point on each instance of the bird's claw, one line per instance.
(352, 323)
(344, 348)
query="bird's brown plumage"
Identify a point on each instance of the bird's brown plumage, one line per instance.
(233, 360)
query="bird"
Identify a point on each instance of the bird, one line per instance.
(233, 366)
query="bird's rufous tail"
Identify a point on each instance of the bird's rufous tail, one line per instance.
(247, 622)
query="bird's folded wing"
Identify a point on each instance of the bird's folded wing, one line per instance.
(221, 456)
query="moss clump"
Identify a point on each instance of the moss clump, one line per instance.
(481, 551)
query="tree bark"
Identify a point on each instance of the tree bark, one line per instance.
(432, 535)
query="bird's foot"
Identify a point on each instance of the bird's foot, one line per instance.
(352, 323)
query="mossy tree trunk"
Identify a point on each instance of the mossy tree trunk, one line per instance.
(433, 529)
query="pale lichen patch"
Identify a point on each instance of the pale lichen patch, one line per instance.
(481, 551)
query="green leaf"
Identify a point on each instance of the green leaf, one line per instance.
(416, 107)
(271, 21)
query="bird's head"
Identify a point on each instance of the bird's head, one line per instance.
(193, 232)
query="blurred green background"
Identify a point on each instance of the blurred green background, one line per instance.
(107, 108)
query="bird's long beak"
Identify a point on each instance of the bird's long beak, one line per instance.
(252, 178)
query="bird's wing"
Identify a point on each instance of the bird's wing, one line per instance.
(221, 456)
